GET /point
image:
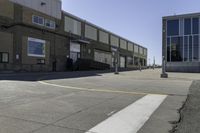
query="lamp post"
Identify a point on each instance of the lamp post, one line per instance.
(164, 74)
(115, 51)
(116, 61)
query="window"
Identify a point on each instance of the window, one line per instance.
(36, 47)
(190, 48)
(187, 26)
(50, 24)
(4, 57)
(168, 50)
(176, 49)
(172, 27)
(186, 52)
(38, 20)
(195, 25)
(195, 48)
(129, 60)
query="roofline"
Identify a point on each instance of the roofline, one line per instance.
(100, 28)
(182, 15)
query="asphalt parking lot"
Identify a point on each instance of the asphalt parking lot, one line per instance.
(79, 102)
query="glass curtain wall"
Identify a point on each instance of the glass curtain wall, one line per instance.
(183, 40)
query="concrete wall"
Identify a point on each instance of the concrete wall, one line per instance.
(27, 15)
(30, 60)
(90, 32)
(6, 9)
(51, 7)
(183, 67)
(6, 44)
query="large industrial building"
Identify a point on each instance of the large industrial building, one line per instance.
(181, 42)
(36, 35)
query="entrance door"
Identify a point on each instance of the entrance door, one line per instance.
(74, 56)
(74, 51)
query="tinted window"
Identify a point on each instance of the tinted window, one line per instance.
(195, 23)
(196, 48)
(186, 48)
(176, 49)
(168, 50)
(172, 27)
(187, 26)
(190, 48)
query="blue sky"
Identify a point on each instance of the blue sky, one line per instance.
(137, 20)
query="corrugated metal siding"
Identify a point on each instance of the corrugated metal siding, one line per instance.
(90, 32)
(72, 26)
(51, 7)
(136, 50)
(140, 50)
(145, 52)
(114, 41)
(123, 44)
(130, 46)
(103, 57)
(103, 37)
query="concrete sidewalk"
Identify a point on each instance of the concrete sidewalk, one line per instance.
(190, 113)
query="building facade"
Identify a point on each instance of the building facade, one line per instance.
(38, 36)
(181, 42)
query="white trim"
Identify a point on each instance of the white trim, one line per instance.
(38, 23)
(36, 40)
(50, 22)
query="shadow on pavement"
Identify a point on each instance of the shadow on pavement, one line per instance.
(53, 75)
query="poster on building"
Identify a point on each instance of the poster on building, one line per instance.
(36, 47)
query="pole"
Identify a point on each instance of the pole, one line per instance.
(154, 62)
(164, 74)
(116, 61)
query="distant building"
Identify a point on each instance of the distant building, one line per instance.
(181, 42)
(37, 35)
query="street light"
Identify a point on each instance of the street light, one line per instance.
(116, 59)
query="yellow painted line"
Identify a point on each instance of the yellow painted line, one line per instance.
(99, 90)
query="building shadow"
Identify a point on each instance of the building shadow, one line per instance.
(36, 76)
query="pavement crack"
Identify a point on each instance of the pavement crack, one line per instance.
(175, 123)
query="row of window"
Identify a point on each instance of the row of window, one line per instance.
(74, 26)
(183, 48)
(185, 26)
(43, 22)
(4, 57)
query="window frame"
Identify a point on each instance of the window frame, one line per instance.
(33, 16)
(50, 23)
(39, 41)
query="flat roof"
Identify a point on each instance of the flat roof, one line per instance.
(181, 15)
(100, 28)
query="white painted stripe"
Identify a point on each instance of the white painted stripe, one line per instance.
(132, 118)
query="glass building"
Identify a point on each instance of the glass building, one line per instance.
(181, 42)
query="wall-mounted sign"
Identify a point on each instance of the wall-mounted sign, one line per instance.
(36, 47)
